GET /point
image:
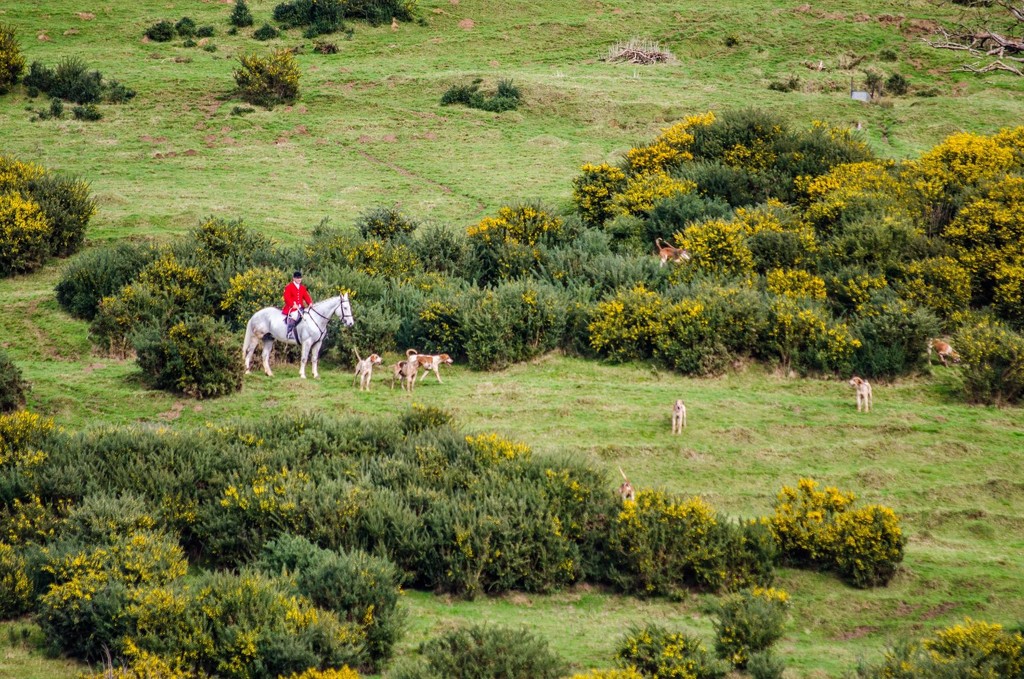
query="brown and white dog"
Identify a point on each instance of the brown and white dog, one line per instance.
(669, 253)
(863, 390)
(364, 370)
(944, 350)
(433, 362)
(406, 371)
(626, 491)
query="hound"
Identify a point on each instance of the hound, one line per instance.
(364, 369)
(678, 417)
(863, 390)
(433, 362)
(944, 350)
(669, 253)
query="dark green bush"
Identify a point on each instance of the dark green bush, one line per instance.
(377, 12)
(506, 98)
(655, 652)
(891, 335)
(385, 223)
(206, 32)
(12, 386)
(671, 215)
(765, 665)
(86, 112)
(440, 248)
(56, 109)
(240, 15)
(265, 32)
(161, 31)
(360, 588)
(189, 42)
(489, 652)
(748, 622)
(186, 27)
(197, 356)
(68, 207)
(39, 77)
(99, 273)
(103, 517)
(12, 63)
(719, 182)
(897, 84)
(322, 16)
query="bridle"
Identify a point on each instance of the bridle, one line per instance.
(345, 315)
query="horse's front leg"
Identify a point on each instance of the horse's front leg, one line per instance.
(268, 346)
(315, 357)
(305, 357)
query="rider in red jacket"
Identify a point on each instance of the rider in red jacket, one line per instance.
(296, 298)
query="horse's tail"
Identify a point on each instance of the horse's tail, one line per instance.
(248, 339)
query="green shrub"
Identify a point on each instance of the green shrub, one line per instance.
(15, 586)
(507, 97)
(489, 652)
(12, 386)
(268, 81)
(197, 357)
(673, 214)
(891, 334)
(658, 544)
(83, 612)
(241, 625)
(264, 32)
(897, 84)
(765, 665)
(206, 32)
(73, 81)
(161, 31)
(86, 112)
(68, 207)
(102, 517)
(515, 322)
(361, 589)
(993, 363)
(240, 15)
(655, 652)
(186, 27)
(748, 622)
(56, 109)
(377, 12)
(440, 249)
(689, 343)
(99, 273)
(320, 16)
(384, 223)
(12, 63)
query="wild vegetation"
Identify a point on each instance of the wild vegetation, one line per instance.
(813, 248)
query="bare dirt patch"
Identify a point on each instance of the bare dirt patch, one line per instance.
(856, 633)
(467, 24)
(85, 16)
(152, 140)
(936, 611)
(918, 27)
(71, 31)
(174, 413)
(890, 18)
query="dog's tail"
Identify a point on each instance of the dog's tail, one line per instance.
(410, 352)
(658, 241)
(356, 352)
(623, 475)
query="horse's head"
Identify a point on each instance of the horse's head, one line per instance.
(345, 311)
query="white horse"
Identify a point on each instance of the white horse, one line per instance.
(268, 324)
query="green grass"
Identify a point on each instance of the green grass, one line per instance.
(368, 130)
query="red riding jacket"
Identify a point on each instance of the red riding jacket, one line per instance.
(295, 298)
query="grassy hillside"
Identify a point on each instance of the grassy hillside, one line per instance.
(368, 130)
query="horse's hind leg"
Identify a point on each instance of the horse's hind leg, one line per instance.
(247, 352)
(268, 346)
